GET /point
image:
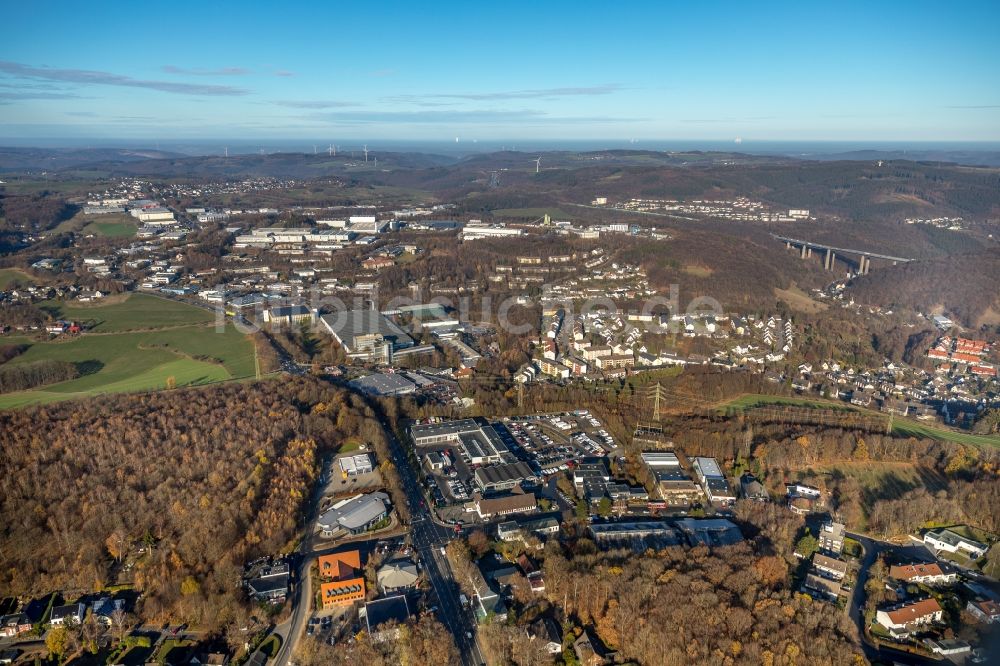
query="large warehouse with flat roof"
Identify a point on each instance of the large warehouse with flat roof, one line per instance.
(505, 476)
(478, 439)
(366, 334)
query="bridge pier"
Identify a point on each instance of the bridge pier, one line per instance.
(864, 258)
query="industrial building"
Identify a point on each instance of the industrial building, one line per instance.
(288, 315)
(356, 465)
(672, 484)
(366, 334)
(713, 481)
(710, 532)
(478, 440)
(638, 535)
(384, 384)
(658, 459)
(505, 476)
(473, 231)
(675, 486)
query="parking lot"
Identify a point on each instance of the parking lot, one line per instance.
(452, 483)
(339, 485)
(549, 443)
(554, 442)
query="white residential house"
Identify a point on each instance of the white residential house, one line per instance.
(950, 542)
(900, 620)
(984, 610)
(70, 613)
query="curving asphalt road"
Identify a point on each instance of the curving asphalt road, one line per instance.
(872, 549)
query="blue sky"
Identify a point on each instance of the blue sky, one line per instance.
(906, 71)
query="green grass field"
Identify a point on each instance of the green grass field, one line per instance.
(10, 275)
(131, 313)
(752, 400)
(111, 228)
(900, 426)
(181, 345)
(124, 362)
(111, 225)
(930, 431)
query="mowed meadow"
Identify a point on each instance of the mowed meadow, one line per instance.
(136, 342)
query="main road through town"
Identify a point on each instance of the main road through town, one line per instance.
(427, 536)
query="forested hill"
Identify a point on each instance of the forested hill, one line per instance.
(965, 285)
(857, 189)
(205, 479)
(159, 164)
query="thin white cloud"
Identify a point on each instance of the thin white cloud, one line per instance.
(198, 71)
(459, 117)
(91, 77)
(530, 93)
(8, 97)
(313, 103)
(752, 119)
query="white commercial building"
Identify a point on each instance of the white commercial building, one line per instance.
(356, 465)
(474, 231)
(657, 459)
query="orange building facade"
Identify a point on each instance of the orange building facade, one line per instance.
(341, 581)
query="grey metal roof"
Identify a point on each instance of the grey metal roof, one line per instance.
(384, 384)
(710, 531)
(495, 474)
(268, 584)
(348, 324)
(708, 467)
(444, 428)
(356, 513)
(380, 611)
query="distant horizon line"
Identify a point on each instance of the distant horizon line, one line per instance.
(492, 140)
(303, 146)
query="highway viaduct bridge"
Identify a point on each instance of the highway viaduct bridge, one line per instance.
(864, 257)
